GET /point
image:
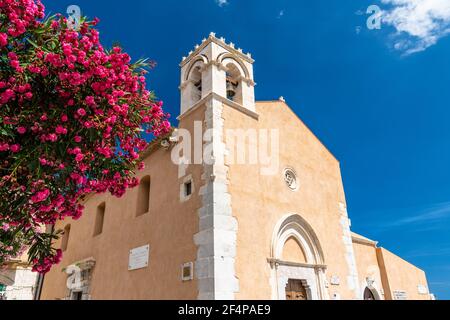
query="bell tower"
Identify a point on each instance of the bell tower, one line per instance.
(214, 77)
(220, 70)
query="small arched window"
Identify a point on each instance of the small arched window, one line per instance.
(65, 238)
(99, 219)
(143, 201)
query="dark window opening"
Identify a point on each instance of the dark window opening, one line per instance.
(187, 272)
(368, 294)
(188, 188)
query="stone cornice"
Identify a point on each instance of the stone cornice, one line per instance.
(221, 42)
(368, 242)
(225, 101)
(277, 262)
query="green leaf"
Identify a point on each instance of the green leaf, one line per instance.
(33, 44)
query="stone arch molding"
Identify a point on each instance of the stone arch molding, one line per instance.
(199, 61)
(312, 274)
(294, 226)
(226, 59)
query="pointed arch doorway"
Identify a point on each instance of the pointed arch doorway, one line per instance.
(297, 273)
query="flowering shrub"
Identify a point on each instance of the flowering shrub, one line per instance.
(72, 122)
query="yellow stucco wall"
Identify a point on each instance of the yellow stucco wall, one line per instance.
(259, 202)
(367, 266)
(168, 228)
(400, 275)
(293, 252)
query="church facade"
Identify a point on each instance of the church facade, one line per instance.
(242, 201)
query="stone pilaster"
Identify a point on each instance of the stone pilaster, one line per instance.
(216, 240)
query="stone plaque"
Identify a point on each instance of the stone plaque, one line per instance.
(335, 280)
(400, 295)
(422, 289)
(138, 258)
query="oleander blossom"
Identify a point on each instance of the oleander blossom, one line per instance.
(74, 118)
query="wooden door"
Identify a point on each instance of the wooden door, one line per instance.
(295, 290)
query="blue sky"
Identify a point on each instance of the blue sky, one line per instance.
(378, 99)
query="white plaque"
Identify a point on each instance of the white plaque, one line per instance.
(335, 281)
(400, 295)
(422, 289)
(139, 258)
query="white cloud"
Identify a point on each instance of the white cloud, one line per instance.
(222, 3)
(429, 252)
(280, 14)
(419, 24)
(428, 218)
(432, 214)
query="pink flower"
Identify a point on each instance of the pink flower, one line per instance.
(90, 101)
(21, 130)
(61, 130)
(15, 64)
(52, 137)
(58, 257)
(41, 196)
(82, 74)
(7, 95)
(55, 24)
(15, 148)
(3, 39)
(12, 55)
(79, 157)
(4, 147)
(81, 112)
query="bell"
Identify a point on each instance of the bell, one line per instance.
(231, 90)
(198, 85)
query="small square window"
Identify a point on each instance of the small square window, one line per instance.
(188, 189)
(187, 271)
